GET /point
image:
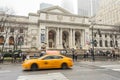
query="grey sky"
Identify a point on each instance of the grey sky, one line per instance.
(23, 7)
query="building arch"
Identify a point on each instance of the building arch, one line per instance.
(20, 40)
(101, 43)
(106, 43)
(11, 40)
(52, 38)
(77, 39)
(1, 40)
(111, 43)
(65, 39)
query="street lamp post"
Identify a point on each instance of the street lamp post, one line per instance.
(92, 50)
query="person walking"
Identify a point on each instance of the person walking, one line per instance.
(76, 55)
(73, 55)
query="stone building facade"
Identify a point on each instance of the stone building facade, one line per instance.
(53, 27)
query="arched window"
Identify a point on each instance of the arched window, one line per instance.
(111, 35)
(111, 43)
(65, 39)
(77, 39)
(106, 43)
(95, 43)
(1, 29)
(52, 39)
(105, 35)
(11, 40)
(20, 40)
(100, 43)
(116, 43)
(1, 40)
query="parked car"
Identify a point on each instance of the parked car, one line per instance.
(48, 61)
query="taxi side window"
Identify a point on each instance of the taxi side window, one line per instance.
(58, 57)
(49, 57)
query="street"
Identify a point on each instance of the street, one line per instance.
(83, 70)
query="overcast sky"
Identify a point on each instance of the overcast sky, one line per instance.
(23, 7)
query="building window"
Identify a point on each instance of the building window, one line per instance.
(11, 29)
(100, 43)
(1, 29)
(111, 43)
(105, 35)
(111, 36)
(116, 43)
(115, 36)
(20, 40)
(100, 35)
(95, 43)
(106, 43)
(1, 40)
(94, 34)
(21, 30)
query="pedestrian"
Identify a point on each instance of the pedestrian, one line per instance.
(14, 58)
(23, 57)
(73, 55)
(27, 57)
(42, 53)
(92, 54)
(76, 54)
(113, 54)
(87, 53)
(1, 58)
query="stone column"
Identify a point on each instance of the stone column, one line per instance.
(70, 39)
(47, 41)
(103, 41)
(57, 38)
(60, 37)
(98, 41)
(73, 39)
(82, 40)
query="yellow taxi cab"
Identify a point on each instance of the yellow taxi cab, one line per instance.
(48, 61)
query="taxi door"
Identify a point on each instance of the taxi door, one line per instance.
(47, 62)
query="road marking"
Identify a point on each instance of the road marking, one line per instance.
(112, 67)
(49, 76)
(116, 69)
(5, 71)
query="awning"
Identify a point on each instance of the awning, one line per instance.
(52, 52)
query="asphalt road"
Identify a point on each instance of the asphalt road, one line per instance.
(84, 70)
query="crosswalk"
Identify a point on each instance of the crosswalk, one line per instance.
(49, 76)
(115, 67)
(4, 71)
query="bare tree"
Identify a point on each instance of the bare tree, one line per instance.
(3, 25)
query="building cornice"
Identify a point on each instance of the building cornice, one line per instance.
(64, 23)
(33, 14)
(54, 13)
(19, 22)
(106, 25)
(18, 16)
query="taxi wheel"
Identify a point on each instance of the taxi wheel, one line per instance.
(64, 66)
(34, 67)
